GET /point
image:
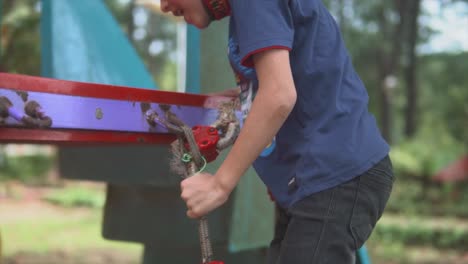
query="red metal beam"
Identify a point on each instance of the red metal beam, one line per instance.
(51, 136)
(47, 85)
(77, 137)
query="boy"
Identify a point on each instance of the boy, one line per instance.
(308, 132)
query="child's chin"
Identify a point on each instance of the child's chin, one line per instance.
(198, 24)
(202, 26)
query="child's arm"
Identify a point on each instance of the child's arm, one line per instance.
(274, 101)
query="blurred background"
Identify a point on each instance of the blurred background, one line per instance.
(411, 54)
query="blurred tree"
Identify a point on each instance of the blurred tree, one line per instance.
(415, 35)
(1, 17)
(382, 36)
(20, 37)
(154, 36)
(130, 18)
(365, 23)
(391, 19)
(445, 95)
(413, 12)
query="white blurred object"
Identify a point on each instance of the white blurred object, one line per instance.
(391, 82)
(155, 7)
(16, 150)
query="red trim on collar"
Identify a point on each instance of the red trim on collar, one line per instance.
(218, 8)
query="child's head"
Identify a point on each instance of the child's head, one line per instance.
(199, 13)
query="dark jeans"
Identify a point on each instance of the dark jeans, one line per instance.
(329, 226)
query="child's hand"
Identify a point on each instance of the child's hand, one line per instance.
(202, 194)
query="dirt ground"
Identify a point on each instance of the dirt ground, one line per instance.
(60, 257)
(32, 205)
(29, 199)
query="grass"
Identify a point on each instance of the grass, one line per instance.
(48, 233)
(413, 239)
(67, 220)
(386, 252)
(76, 197)
(79, 230)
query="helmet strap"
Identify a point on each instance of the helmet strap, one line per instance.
(217, 9)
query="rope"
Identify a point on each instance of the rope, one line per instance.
(196, 155)
(194, 163)
(188, 162)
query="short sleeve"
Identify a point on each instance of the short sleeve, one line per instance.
(261, 25)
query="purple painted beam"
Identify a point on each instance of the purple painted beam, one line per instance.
(113, 113)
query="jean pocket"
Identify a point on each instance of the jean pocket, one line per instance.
(371, 199)
(380, 177)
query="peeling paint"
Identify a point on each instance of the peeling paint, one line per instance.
(23, 94)
(145, 107)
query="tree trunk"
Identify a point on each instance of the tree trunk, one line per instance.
(389, 62)
(130, 23)
(411, 69)
(7, 5)
(341, 15)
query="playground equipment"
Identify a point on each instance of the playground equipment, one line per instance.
(80, 40)
(40, 110)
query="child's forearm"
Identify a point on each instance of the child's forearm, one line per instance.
(268, 113)
(274, 101)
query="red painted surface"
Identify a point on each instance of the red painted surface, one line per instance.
(455, 172)
(80, 137)
(47, 85)
(247, 61)
(206, 137)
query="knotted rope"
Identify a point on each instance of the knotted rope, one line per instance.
(188, 162)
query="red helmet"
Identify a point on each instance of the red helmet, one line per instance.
(217, 9)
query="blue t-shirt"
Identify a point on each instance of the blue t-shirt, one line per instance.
(330, 137)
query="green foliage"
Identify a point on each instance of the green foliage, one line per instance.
(430, 151)
(42, 231)
(76, 197)
(158, 29)
(415, 162)
(25, 168)
(168, 78)
(20, 49)
(445, 93)
(410, 197)
(414, 233)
